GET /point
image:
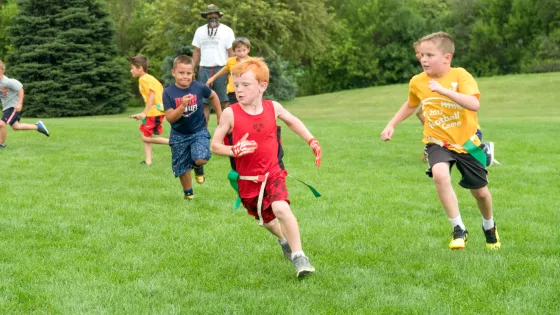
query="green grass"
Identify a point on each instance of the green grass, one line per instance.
(85, 229)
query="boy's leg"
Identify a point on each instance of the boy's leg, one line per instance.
(200, 151)
(484, 201)
(275, 228)
(147, 152)
(186, 183)
(19, 126)
(446, 194)
(3, 133)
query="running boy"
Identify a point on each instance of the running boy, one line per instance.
(184, 109)
(152, 116)
(256, 155)
(11, 95)
(241, 47)
(450, 100)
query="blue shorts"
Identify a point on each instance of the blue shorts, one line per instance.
(10, 116)
(219, 85)
(185, 149)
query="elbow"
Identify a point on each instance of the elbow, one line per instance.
(476, 106)
(213, 148)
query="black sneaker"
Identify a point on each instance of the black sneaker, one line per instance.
(199, 174)
(459, 240)
(492, 238)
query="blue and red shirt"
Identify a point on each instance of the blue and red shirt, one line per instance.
(192, 120)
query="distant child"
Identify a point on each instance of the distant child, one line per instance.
(241, 47)
(184, 109)
(11, 95)
(256, 155)
(450, 100)
(152, 116)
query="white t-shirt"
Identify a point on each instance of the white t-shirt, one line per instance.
(9, 92)
(213, 49)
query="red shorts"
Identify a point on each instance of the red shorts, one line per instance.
(275, 190)
(152, 126)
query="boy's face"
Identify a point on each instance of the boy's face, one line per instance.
(241, 51)
(183, 74)
(247, 88)
(136, 71)
(434, 61)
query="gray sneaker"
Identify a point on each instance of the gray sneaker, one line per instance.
(303, 266)
(286, 250)
(488, 148)
(42, 128)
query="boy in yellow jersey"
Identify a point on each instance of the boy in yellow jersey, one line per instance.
(153, 115)
(450, 100)
(241, 47)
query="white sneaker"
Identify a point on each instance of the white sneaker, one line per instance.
(488, 148)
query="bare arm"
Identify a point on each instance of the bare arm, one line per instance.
(215, 100)
(220, 73)
(149, 103)
(403, 113)
(19, 105)
(470, 102)
(225, 124)
(292, 122)
(420, 115)
(196, 56)
(172, 115)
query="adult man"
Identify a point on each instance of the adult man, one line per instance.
(212, 47)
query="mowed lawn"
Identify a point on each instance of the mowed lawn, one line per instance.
(86, 229)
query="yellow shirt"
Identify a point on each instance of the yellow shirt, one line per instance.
(148, 83)
(230, 63)
(444, 119)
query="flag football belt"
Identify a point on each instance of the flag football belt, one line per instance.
(474, 150)
(233, 177)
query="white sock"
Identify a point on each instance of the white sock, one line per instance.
(294, 254)
(457, 221)
(488, 224)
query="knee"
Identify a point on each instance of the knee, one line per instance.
(481, 194)
(441, 178)
(145, 139)
(200, 162)
(281, 209)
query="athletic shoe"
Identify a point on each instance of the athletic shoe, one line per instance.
(492, 238)
(199, 174)
(189, 197)
(2, 146)
(459, 238)
(303, 266)
(488, 148)
(42, 128)
(144, 163)
(286, 250)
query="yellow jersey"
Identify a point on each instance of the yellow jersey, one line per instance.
(230, 63)
(148, 83)
(446, 120)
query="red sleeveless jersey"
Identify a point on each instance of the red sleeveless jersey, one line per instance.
(263, 130)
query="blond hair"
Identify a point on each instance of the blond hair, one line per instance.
(2, 65)
(256, 65)
(241, 41)
(443, 41)
(183, 59)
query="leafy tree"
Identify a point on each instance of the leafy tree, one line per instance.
(8, 10)
(64, 55)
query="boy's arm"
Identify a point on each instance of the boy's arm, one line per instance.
(19, 105)
(420, 115)
(220, 73)
(403, 113)
(216, 104)
(196, 57)
(242, 147)
(469, 102)
(149, 103)
(300, 129)
(174, 114)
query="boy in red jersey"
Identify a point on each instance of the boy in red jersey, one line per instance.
(256, 155)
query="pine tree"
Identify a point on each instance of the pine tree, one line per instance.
(65, 57)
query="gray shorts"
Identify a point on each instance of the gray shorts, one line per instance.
(220, 84)
(474, 175)
(185, 149)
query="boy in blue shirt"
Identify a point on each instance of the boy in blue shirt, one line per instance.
(184, 110)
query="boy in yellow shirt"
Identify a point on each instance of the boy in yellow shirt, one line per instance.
(153, 115)
(241, 47)
(450, 100)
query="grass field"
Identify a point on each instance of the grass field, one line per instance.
(86, 229)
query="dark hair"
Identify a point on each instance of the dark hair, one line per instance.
(139, 61)
(241, 41)
(182, 59)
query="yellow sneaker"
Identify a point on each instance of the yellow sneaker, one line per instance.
(189, 197)
(199, 174)
(492, 238)
(459, 240)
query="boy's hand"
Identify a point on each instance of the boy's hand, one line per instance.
(316, 147)
(187, 100)
(139, 116)
(243, 146)
(435, 86)
(387, 133)
(18, 108)
(209, 83)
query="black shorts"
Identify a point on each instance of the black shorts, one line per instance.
(474, 175)
(232, 98)
(10, 116)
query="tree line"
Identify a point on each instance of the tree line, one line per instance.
(312, 46)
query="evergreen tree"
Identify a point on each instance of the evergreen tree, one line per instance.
(64, 55)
